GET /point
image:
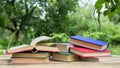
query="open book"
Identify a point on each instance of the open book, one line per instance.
(33, 49)
(39, 39)
(33, 46)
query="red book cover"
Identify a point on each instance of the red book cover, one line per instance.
(86, 50)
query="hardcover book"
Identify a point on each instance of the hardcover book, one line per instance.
(31, 55)
(33, 49)
(64, 56)
(29, 60)
(96, 59)
(88, 43)
(85, 52)
(64, 47)
(5, 59)
(39, 39)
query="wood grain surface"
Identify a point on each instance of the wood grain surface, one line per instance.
(115, 63)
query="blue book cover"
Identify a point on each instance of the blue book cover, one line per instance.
(89, 40)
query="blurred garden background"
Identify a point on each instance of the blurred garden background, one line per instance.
(23, 20)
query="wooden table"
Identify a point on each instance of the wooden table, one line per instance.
(4, 63)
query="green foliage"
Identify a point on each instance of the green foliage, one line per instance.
(57, 14)
(1, 52)
(109, 33)
(115, 49)
(23, 20)
(62, 37)
(27, 19)
(111, 9)
(81, 21)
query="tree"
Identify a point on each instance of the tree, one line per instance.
(16, 15)
(110, 8)
(37, 17)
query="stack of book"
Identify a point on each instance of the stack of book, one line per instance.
(27, 57)
(79, 48)
(90, 49)
(31, 54)
(64, 55)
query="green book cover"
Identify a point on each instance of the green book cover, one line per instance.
(65, 53)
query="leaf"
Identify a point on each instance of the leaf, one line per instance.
(106, 4)
(116, 1)
(107, 0)
(98, 5)
(105, 13)
(118, 9)
(111, 15)
(113, 8)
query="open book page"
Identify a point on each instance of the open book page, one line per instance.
(20, 46)
(39, 39)
(49, 44)
(46, 48)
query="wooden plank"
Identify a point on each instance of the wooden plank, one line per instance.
(113, 64)
(65, 65)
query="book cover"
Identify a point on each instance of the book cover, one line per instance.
(33, 49)
(64, 56)
(29, 60)
(65, 53)
(31, 55)
(89, 40)
(5, 59)
(85, 52)
(64, 47)
(96, 59)
(88, 43)
(39, 39)
(46, 48)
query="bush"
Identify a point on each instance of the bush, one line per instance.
(60, 38)
(109, 33)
